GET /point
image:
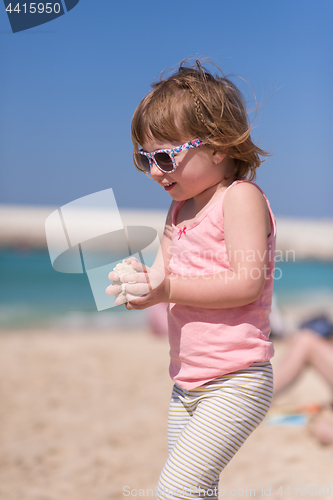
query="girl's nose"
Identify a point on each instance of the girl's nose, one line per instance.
(155, 172)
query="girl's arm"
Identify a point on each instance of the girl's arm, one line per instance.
(246, 228)
(164, 253)
(160, 271)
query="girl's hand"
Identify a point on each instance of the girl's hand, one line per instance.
(150, 286)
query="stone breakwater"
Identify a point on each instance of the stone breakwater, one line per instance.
(24, 226)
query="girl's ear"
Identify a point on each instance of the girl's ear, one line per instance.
(218, 156)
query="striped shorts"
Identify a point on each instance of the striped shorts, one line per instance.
(206, 427)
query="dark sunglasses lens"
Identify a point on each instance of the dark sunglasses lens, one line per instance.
(164, 161)
(143, 163)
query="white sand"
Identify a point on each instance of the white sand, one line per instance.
(84, 415)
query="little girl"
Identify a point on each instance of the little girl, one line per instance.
(215, 269)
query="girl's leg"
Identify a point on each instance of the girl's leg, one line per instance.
(178, 417)
(223, 415)
(306, 348)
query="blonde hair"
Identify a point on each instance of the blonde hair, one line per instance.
(194, 104)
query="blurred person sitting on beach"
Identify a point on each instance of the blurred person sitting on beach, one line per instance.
(312, 345)
(215, 269)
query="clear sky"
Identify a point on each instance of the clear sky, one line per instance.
(68, 90)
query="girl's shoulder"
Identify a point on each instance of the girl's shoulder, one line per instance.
(245, 198)
(243, 191)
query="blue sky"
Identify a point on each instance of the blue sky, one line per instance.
(68, 90)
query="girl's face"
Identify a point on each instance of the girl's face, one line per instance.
(196, 170)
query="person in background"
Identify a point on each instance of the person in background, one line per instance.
(311, 346)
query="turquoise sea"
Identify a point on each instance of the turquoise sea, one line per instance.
(33, 294)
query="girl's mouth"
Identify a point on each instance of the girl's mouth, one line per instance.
(169, 186)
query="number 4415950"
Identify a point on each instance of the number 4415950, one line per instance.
(34, 7)
(305, 491)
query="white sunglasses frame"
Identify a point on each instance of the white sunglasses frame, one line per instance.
(170, 152)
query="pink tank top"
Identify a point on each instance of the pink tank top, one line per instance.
(208, 343)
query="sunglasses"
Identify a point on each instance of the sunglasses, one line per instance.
(164, 159)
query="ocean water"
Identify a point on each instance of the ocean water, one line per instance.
(32, 293)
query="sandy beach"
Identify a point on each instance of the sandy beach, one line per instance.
(84, 414)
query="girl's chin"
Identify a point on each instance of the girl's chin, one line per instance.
(176, 194)
(179, 197)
